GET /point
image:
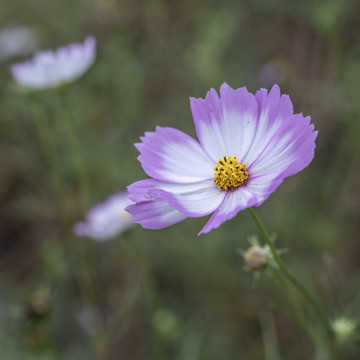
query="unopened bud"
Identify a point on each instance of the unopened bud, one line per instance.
(164, 320)
(256, 258)
(38, 304)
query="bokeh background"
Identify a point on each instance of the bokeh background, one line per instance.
(169, 294)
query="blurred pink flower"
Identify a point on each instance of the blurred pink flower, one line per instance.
(106, 220)
(48, 69)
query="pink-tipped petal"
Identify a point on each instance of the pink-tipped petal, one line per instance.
(225, 125)
(201, 200)
(172, 156)
(154, 214)
(291, 148)
(193, 199)
(274, 108)
(235, 201)
(142, 190)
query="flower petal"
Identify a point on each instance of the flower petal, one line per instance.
(154, 214)
(201, 199)
(172, 156)
(289, 151)
(225, 125)
(274, 108)
(262, 186)
(234, 202)
(141, 190)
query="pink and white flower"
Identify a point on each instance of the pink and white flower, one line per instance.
(247, 145)
(106, 220)
(49, 69)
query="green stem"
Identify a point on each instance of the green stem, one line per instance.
(79, 164)
(151, 292)
(46, 138)
(79, 258)
(271, 346)
(124, 312)
(298, 285)
(294, 301)
(84, 254)
(52, 157)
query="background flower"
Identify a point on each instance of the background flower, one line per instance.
(48, 69)
(106, 220)
(256, 140)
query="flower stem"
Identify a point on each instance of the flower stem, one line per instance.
(46, 138)
(298, 285)
(79, 164)
(78, 255)
(299, 315)
(270, 341)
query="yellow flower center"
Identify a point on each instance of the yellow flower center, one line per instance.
(229, 173)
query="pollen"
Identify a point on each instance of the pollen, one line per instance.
(230, 173)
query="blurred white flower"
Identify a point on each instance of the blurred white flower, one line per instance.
(107, 219)
(48, 69)
(17, 41)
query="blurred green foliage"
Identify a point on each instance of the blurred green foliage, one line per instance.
(169, 294)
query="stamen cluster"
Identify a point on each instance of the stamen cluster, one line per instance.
(230, 173)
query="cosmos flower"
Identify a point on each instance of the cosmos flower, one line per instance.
(106, 220)
(48, 69)
(247, 145)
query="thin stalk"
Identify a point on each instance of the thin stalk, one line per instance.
(298, 285)
(44, 131)
(271, 346)
(151, 292)
(47, 141)
(79, 258)
(118, 324)
(84, 254)
(79, 164)
(297, 309)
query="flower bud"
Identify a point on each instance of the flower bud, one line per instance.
(256, 258)
(38, 304)
(166, 324)
(164, 321)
